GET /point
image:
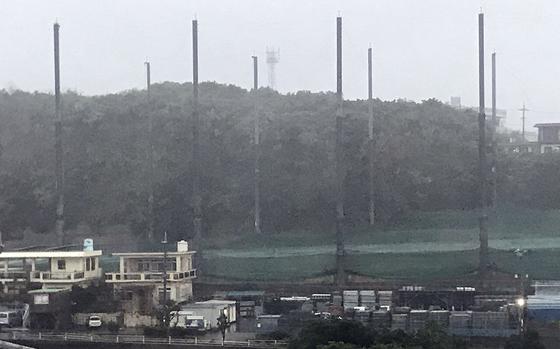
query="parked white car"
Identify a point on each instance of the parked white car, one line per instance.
(94, 321)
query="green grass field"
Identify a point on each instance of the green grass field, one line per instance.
(539, 264)
(437, 245)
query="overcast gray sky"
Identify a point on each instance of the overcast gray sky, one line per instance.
(422, 49)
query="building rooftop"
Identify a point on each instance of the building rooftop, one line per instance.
(549, 124)
(206, 304)
(48, 290)
(49, 254)
(216, 301)
(244, 293)
(152, 254)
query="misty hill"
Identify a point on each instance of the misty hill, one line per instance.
(426, 157)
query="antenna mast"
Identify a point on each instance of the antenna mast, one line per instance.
(272, 58)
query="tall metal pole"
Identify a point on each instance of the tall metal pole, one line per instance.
(164, 277)
(257, 148)
(494, 138)
(523, 110)
(150, 232)
(197, 200)
(483, 258)
(59, 225)
(148, 77)
(371, 143)
(340, 270)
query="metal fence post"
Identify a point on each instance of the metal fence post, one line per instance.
(117, 338)
(195, 340)
(14, 335)
(39, 335)
(65, 336)
(91, 338)
(248, 342)
(143, 339)
(169, 339)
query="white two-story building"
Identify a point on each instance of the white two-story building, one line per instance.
(49, 269)
(140, 277)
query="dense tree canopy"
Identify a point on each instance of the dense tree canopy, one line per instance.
(425, 158)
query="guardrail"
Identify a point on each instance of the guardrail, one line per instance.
(135, 339)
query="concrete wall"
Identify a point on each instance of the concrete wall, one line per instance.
(138, 320)
(77, 265)
(72, 264)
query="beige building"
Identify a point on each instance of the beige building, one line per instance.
(50, 269)
(140, 278)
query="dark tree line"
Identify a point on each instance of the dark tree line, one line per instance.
(425, 159)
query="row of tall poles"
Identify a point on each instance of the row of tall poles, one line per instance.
(485, 196)
(339, 169)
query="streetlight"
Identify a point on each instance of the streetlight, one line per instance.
(521, 302)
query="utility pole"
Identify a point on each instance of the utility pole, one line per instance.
(523, 110)
(197, 200)
(150, 234)
(483, 233)
(371, 143)
(340, 268)
(59, 225)
(257, 148)
(494, 138)
(164, 279)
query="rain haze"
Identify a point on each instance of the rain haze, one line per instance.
(422, 49)
(281, 174)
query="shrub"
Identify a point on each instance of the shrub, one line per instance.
(113, 327)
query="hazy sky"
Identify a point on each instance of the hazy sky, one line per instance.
(422, 48)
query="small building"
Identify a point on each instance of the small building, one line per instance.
(140, 278)
(548, 138)
(49, 269)
(267, 323)
(50, 308)
(249, 303)
(209, 311)
(544, 305)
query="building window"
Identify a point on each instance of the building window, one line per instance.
(88, 264)
(92, 263)
(41, 299)
(160, 294)
(143, 266)
(61, 264)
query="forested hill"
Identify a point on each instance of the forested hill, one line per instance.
(425, 156)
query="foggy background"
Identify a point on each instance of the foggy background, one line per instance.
(422, 49)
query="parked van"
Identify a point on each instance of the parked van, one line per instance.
(10, 318)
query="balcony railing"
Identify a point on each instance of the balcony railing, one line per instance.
(150, 276)
(47, 276)
(13, 275)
